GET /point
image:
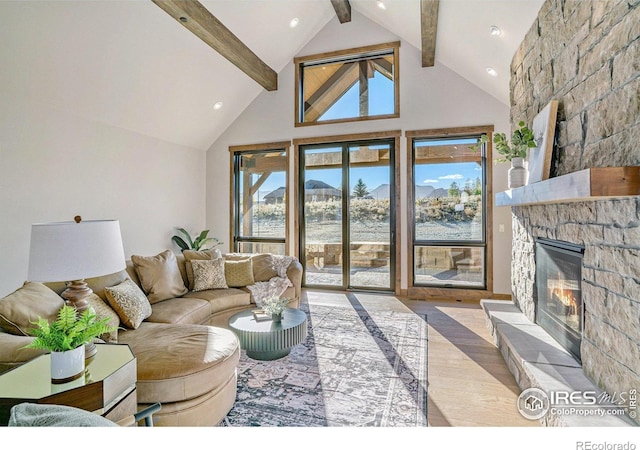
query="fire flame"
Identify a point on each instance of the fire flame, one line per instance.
(566, 297)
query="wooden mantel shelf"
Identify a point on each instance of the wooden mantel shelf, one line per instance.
(588, 184)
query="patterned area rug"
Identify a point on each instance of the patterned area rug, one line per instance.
(356, 368)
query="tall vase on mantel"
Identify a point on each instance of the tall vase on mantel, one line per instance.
(517, 173)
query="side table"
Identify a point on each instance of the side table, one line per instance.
(108, 387)
(268, 340)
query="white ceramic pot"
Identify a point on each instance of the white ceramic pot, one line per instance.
(67, 366)
(517, 173)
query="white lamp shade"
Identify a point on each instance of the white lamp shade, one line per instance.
(69, 251)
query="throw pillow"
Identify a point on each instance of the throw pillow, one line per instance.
(190, 255)
(263, 269)
(104, 311)
(22, 307)
(239, 273)
(129, 302)
(159, 276)
(208, 274)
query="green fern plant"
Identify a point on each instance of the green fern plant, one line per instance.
(199, 243)
(68, 331)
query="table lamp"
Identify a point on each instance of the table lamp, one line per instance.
(72, 252)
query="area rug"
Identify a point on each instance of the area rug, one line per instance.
(356, 368)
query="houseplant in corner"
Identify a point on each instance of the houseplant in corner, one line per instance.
(65, 338)
(199, 243)
(522, 140)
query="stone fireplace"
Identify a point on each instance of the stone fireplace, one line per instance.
(558, 293)
(585, 54)
(609, 231)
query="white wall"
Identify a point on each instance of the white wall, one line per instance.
(54, 165)
(429, 98)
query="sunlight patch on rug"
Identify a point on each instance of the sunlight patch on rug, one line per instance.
(356, 368)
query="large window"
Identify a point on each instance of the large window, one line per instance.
(354, 84)
(449, 194)
(259, 191)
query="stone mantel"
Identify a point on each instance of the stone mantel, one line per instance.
(597, 183)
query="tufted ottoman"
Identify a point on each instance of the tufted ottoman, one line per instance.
(189, 369)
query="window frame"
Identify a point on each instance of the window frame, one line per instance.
(329, 57)
(438, 291)
(236, 153)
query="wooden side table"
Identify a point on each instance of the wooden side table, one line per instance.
(108, 387)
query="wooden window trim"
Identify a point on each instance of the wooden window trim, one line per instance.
(442, 293)
(395, 135)
(298, 61)
(233, 151)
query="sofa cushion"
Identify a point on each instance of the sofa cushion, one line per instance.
(159, 276)
(208, 274)
(238, 273)
(25, 305)
(104, 311)
(263, 269)
(129, 302)
(222, 299)
(180, 362)
(190, 255)
(180, 310)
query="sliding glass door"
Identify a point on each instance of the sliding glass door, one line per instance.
(346, 215)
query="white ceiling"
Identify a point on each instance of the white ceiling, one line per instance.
(130, 65)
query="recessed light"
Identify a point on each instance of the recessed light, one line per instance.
(183, 19)
(381, 5)
(495, 31)
(491, 71)
(217, 105)
(294, 22)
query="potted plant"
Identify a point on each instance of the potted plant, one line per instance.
(65, 338)
(199, 243)
(275, 306)
(522, 140)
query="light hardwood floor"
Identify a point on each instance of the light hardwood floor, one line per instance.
(468, 381)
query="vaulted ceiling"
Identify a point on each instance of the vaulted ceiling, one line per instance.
(130, 65)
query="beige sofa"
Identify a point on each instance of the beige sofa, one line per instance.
(186, 355)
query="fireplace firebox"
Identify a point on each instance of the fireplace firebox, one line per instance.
(559, 308)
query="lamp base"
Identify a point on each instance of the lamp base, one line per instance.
(76, 295)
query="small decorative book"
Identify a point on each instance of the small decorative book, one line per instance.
(260, 315)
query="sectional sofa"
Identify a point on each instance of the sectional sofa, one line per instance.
(186, 356)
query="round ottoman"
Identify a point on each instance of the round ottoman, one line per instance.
(189, 369)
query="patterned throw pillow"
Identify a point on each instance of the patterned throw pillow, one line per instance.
(239, 273)
(104, 311)
(159, 276)
(208, 274)
(190, 255)
(129, 302)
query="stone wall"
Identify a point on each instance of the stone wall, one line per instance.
(610, 233)
(586, 54)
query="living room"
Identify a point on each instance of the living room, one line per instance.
(92, 129)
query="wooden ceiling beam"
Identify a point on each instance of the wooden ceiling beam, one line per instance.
(343, 10)
(429, 30)
(196, 18)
